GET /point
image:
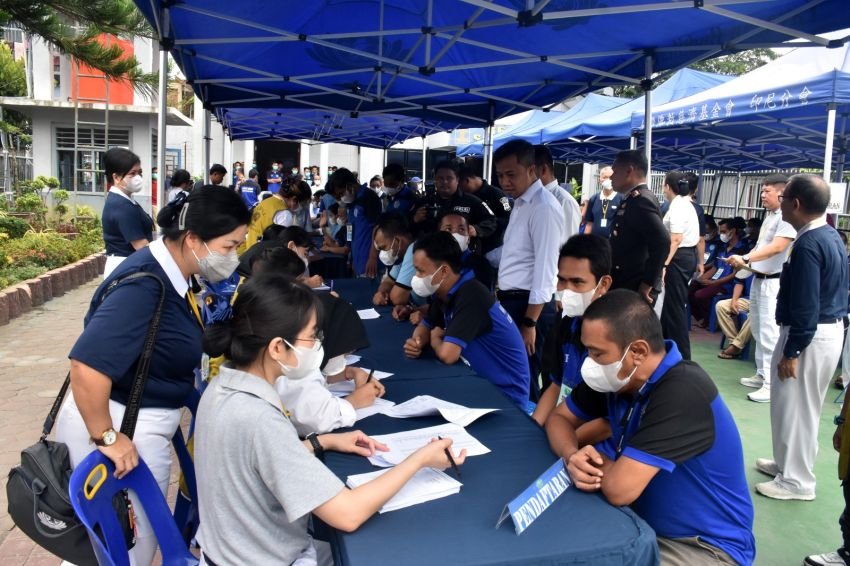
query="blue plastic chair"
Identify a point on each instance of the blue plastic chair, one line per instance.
(92, 488)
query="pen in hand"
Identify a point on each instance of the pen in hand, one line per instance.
(371, 373)
(451, 460)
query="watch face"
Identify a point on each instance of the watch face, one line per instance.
(109, 437)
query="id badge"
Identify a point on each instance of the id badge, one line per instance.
(564, 393)
(349, 233)
(717, 275)
(604, 223)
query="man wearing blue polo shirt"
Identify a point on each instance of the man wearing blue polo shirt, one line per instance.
(678, 457)
(394, 243)
(398, 197)
(464, 320)
(363, 208)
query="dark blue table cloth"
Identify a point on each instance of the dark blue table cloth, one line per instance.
(579, 528)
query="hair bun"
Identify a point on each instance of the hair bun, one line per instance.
(170, 214)
(218, 338)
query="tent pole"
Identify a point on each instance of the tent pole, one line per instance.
(633, 142)
(424, 159)
(162, 126)
(488, 151)
(737, 193)
(647, 112)
(830, 138)
(207, 119)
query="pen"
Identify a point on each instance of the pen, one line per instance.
(451, 460)
(371, 373)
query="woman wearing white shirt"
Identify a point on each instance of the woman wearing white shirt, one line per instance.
(682, 223)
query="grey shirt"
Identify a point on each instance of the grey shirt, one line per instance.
(257, 483)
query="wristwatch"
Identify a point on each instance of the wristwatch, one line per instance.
(746, 258)
(318, 451)
(108, 438)
(529, 322)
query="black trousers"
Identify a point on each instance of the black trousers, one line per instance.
(674, 313)
(516, 303)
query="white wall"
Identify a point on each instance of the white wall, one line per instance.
(42, 65)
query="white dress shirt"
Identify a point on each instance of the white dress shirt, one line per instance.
(312, 406)
(572, 211)
(533, 238)
(681, 218)
(772, 227)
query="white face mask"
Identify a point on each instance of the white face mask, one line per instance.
(604, 379)
(134, 184)
(334, 366)
(606, 185)
(391, 191)
(574, 304)
(309, 361)
(462, 241)
(217, 266)
(725, 238)
(423, 286)
(389, 257)
(347, 198)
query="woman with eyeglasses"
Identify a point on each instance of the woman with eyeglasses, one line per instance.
(257, 481)
(126, 225)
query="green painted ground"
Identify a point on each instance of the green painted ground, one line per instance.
(786, 531)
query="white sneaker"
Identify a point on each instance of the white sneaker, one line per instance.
(760, 396)
(775, 491)
(767, 466)
(756, 381)
(826, 559)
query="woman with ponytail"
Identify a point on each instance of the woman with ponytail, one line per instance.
(257, 482)
(126, 226)
(200, 236)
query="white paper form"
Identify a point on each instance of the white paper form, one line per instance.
(368, 314)
(403, 444)
(379, 406)
(351, 359)
(426, 485)
(423, 405)
(346, 386)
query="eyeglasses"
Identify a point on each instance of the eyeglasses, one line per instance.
(318, 338)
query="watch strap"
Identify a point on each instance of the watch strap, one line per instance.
(318, 451)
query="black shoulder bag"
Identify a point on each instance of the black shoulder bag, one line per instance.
(37, 490)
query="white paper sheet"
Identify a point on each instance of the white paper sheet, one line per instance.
(379, 406)
(426, 485)
(351, 359)
(368, 314)
(403, 444)
(346, 387)
(322, 288)
(423, 405)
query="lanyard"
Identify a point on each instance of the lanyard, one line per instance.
(193, 305)
(627, 419)
(605, 204)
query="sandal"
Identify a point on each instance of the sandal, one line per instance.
(730, 353)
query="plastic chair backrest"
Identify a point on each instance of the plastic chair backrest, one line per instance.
(92, 488)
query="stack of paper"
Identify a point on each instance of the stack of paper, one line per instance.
(426, 485)
(368, 314)
(403, 444)
(379, 406)
(423, 405)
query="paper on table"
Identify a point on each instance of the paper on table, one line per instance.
(346, 387)
(351, 359)
(426, 485)
(403, 444)
(379, 406)
(322, 288)
(368, 314)
(423, 405)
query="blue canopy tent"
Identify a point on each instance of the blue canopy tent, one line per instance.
(784, 113)
(533, 121)
(472, 60)
(375, 130)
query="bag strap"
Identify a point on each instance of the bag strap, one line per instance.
(142, 369)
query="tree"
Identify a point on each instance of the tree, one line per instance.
(15, 127)
(736, 64)
(74, 27)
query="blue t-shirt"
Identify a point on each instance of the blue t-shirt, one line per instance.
(250, 192)
(402, 274)
(273, 179)
(723, 268)
(602, 211)
(679, 424)
(362, 215)
(114, 333)
(488, 337)
(574, 356)
(712, 248)
(326, 202)
(124, 221)
(401, 202)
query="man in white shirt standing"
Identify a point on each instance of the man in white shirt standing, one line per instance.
(545, 166)
(765, 260)
(529, 263)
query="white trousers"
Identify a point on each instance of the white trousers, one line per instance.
(154, 430)
(845, 361)
(763, 323)
(796, 405)
(112, 261)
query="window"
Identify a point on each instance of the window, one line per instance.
(91, 145)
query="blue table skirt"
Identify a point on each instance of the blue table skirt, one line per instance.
(579, 528)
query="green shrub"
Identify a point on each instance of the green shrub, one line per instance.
(29, 202)
(15, 274)
(13, 227)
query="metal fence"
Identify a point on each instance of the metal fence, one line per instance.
(13, 169)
